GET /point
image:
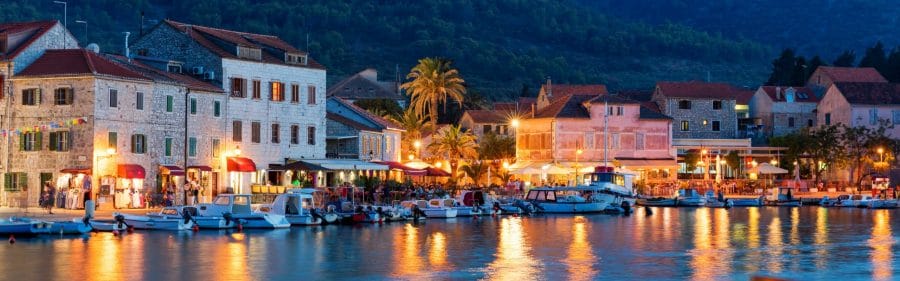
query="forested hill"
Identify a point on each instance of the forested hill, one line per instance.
(498, 45)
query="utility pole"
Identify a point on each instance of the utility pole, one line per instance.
(65, 19)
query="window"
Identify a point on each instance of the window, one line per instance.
(295, 93)
(615, 141)
(217, 108)
(311, 135)
(276, 133)
(609, 110)
(138, 144)
(717, 104)
(192, 147)
(173, 68)
(113, 98)
(790, 122)
(112, 140)
(685, 126)
(249, 53)
(63, 96)
(486, 129)
(170, 104)
(277, 91)
(60, 141)
(256, 93)
(236, 131)
(809, 122)
(715, 126)
(31, 97)
(639, 141)
(311, 94)
(827, 118)
(619, 110)
(30, 141)
(873, 116)
(254, 132)
(684, 104)
(15, 181)
(295, 134)
(588, 140)
(216, 144)
(193, 106)
(238, 87)
(294, 58)
(168, 147)
(139, 101)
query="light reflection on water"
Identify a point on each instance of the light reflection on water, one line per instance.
(805, 243)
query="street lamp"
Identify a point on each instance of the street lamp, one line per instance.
(417, 144)
(65, 18)
(578, 152)
(85, 29)
(237, 151)
(881, 153)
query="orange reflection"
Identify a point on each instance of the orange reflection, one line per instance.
(776, 246)
(795, 228)
(233, 258)
(437, 255)
(703, 256)
(881, 243)
(821, 238)
(407, 261)
(105, 257)
(580, 259)
(753, 256)
(513, 262)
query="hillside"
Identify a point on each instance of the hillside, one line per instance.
(497, 45)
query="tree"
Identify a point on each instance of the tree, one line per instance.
(733, 159)
(415, 127)
(783, 69)
(503, 175)
(822, 144)
(891, 69)
(846, 59)
(433, 82)
(496, 147)
(475, 171)
(454, 144)
(691, 159)
(874, 57)
(381, 107)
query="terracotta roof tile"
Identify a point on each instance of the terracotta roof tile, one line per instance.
(185, 80)
(486, 116)
(702, 90)
(852, 74)
(357, 87)
(569, 106)
(77, 62)
(870, 92)
(36, 28)
(559, 91)
(365, 113)
(802, 94)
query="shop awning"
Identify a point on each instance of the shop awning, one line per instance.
(348, 164)
(400, 167)
(131, 171)
(201, 168)
(240, 164)
(86, 171)
(648, 163)
(171, 170)
(299, 166)
(435, 172)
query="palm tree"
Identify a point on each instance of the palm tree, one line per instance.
(504, 176)
(454, 144)
(415, 128)
(433, 82)
(475, 171)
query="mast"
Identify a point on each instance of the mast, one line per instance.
(605, 130)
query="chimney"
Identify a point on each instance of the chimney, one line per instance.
(549, 87)
(127, 52)
(778, 93)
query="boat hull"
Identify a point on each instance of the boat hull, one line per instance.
(158, 223)
(303, 220)
(571, 208)
(745, 202)
(107, 225)
(691, 202)
(657, 202)
(792, 203)
(27, 228)
(440, 213)
(214, 223)
(74, 226)
(264, 221)
(882, 204)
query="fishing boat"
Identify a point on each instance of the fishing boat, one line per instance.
(689, 197)
(486, 204)
(298, 206)
(568, 200)
(24, 226)
(782, 197)
(168, 218)
(882, 204)
(109, 225)
(72, 226)
(657, 202)
(855, 201)
(236, 207)
(613, 187)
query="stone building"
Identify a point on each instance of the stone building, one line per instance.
(861, 104)
(481, 122)
(699, 110)
(783, 110)
(366, 86)
(825, 76)
(275, 108)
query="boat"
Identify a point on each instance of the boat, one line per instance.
(712, 201)
(168, 218)
(782, 197)
(882, 204)
(746, 202)
(836, 202)
(461, 210)
(568, 200)
(236, 207)
(108, 225)
(72, 226)
(689, 197)
(298, 206)
(435, 211)
(24, 226)
(855, 201)
(657, 202)
(613, 187)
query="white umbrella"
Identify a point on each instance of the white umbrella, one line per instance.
(769, 169)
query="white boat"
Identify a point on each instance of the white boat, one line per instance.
(298, 206)
(746, 202)
(568, 200)
(782, 197)
(410, 210)
(169, 218)
(461, 210)
(71, 226)
(24, 226)
(109, 225)
(836, 202)
(657, 202)
(613, 187)
(882, 204)
(237, 207)
(689, 197)
(713, 203)
(435, 211)
(855, 201)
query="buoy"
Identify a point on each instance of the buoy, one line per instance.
(115, 232)
(12, 239)
(515, 215)
(130, 229)
(196, 228)
(240, 227)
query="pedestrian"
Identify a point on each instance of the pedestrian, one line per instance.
(47, 200)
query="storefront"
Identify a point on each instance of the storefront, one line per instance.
(346, 171)
(170, 179)
(70, 187)
(206, 179)
(241, 174)
(128, 190)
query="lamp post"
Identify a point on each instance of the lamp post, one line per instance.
(85, 29)
(65, 18)
(578, 152)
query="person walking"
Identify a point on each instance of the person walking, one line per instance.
(47, 199)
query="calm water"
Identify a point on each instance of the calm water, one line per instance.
(673, 244)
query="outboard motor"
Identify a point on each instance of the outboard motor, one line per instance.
(626, 208)
(120, 219)
(315, 215)
(229, 219)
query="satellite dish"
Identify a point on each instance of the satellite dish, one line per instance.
(93, 47)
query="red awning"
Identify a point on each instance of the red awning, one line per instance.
(131, 171)
(241, 164)
(171, 170)
(406, 170)
(202, 168)
(435, 172)
(86, 171)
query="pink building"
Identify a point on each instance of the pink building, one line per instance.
(572, 120)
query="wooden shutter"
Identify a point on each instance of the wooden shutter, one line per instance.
(69, 141)
(133, 141)
(37, 96)
(22, 142)
(53, 141)
(23, 181)
(70, 96)
(7, 181)
(38, 145)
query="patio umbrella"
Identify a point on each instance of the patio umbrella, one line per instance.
(769, 169)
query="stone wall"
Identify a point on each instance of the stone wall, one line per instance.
(166, 42)
(701, 110)
(58, 37)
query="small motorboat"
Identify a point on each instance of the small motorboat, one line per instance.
(689, 197)
(24, 226)
(782, 197)
(73, 226)
(568, 200)
(461, 210)
(855, 201)
(109, 225)
(746, 202)
(834, 202)
(657, 202)
(435, 211)
(230, 208)
(882, 204)
(169, 218)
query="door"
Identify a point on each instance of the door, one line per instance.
(45, 179)
(215, 184)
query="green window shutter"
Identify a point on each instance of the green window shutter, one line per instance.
(38, 137)
(169, 104)
(217, 107)
(70, 96)
(53, 141)
(71, 140)
(22, 142)
(7, 181)
(113, 140)
(168, 147)
(23, 181)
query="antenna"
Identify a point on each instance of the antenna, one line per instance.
(307, 42)
(142, 23)
(127, 52)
